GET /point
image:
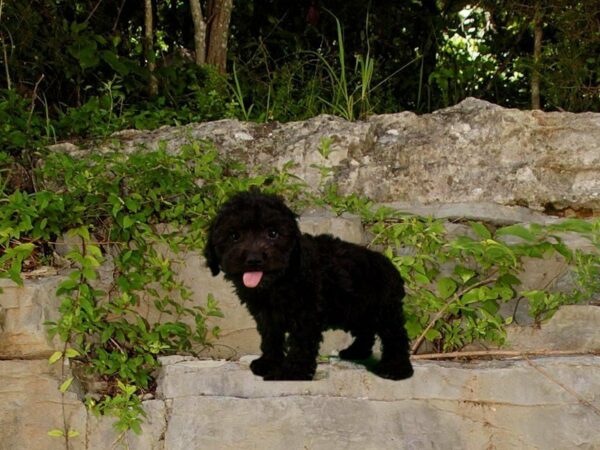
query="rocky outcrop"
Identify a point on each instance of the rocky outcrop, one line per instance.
(472, 152)
(549, 403)
(475, 161)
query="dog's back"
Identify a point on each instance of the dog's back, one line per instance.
(355, 281)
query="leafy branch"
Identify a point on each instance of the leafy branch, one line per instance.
(455, 297)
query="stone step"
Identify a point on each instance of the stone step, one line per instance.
(497, 404)
(544, 403)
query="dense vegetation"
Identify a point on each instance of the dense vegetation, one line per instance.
(83, 67)
(74, 69)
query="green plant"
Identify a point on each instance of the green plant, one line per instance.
(457, 284)
(139, 212)
(20, 127)
(344, 99)
(236, 90)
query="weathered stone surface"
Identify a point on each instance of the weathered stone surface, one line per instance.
(573, 327)
(30, 406)
(347, 226)
(502, 405)
(23, 311)
(101, 434)
(481, 211)
(221, 405)
(472, 152)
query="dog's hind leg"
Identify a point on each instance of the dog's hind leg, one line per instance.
(395, 358)
(361, 348)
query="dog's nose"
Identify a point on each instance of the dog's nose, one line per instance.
(254, 260)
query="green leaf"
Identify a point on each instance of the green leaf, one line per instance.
(128, 222)
(106, 334)
(517, 230)
(491, 306)
(413, 328)
(73, 433)
(94, 251)
(67, 383)
(576, 225)
(56, 433)
(464, 273)
(508, 279)
(481, 230)
(82, 232)
(421, 279)
(446, 287)
(23, 250)
(89, 274)
(113, 60)
(432, 334)
(565, 251)
(72, 353)
(55, 357)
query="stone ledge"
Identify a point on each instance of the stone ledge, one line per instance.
(433, 380)
(497, 404)
(220, 405)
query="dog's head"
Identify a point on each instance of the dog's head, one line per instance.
(252, 239)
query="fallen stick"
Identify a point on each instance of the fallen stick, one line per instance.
(502, 354)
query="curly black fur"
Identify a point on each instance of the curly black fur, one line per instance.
(296, 286)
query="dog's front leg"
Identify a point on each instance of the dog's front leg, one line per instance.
(272, 336)
(301, 360)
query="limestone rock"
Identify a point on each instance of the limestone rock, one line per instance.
(102, 435)
(500, 404)
(346, 226)
(23, 311)
(30, 406)
(471, 152)
(573, 327)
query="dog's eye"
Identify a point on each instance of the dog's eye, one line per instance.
(234, 236)
(272, 234)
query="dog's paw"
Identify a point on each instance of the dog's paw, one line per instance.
(264, 366)
(394, 370)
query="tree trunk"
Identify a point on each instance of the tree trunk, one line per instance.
(537, 56)
(149, 47)
(219, 13)
(199, 31)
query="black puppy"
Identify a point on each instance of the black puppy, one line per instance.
(296, 286)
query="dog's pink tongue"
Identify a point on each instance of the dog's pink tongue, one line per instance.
(251, 279)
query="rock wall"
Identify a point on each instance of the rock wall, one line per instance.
(220, 405)
(472, 152)
(472, 161)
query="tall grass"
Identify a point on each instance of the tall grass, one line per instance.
(346, 100)
(323, 83)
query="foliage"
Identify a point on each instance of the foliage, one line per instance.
(78, 68)
(139, 211)
(345, 101)
(136, 212)
(457, 284)
(20, 127)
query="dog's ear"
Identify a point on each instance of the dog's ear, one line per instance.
(210, 253)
